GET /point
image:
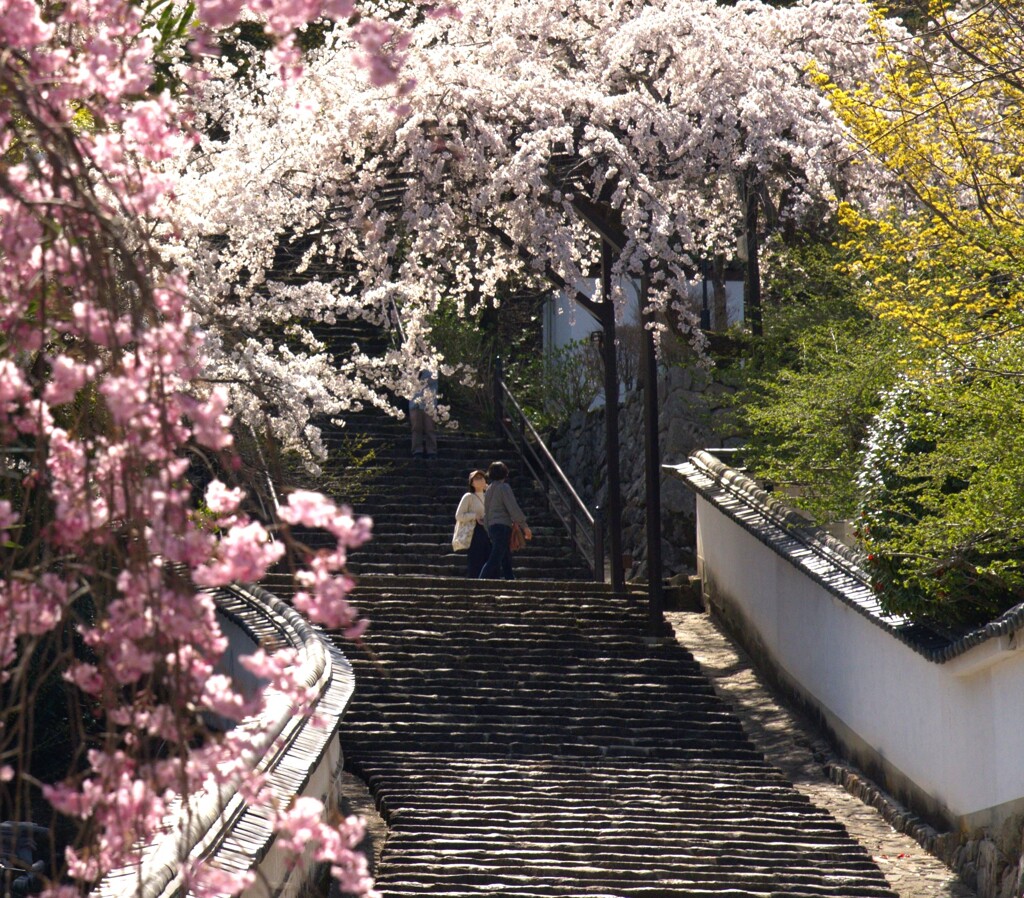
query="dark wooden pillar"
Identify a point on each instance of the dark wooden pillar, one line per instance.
(499, 397)
(611, 419)
(752, 278)
(652, 468)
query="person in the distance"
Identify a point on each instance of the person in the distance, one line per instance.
(501, 511)
(470, 531)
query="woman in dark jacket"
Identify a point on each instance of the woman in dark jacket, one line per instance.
(501, 511)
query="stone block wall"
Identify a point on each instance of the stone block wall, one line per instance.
(693, 415)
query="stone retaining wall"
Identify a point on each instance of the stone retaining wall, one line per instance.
(692, 415)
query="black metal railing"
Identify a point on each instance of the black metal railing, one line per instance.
(395, 322)
(586, 530)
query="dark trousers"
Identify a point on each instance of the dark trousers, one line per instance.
(479, 552)
(499, 563)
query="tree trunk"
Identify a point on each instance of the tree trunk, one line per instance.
(611, 420)
(652, 469)
(719, 298)
(752, 278)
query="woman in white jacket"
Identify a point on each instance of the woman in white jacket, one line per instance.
(470, 532)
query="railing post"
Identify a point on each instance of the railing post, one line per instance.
(599, 544)
(499, 403)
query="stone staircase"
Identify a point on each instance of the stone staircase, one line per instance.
(529, 739)
(413, 501)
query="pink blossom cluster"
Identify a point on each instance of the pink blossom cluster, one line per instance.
(305, 830)
(323, 584)
(105, 397)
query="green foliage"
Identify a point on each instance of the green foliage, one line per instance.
(170, 25)
(465, 344)
(349, 471)
(553, 385)
(918, 444)
(813, 385)
(471, 340)
(943, 487)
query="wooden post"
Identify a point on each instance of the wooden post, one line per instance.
(652, 468)
(752, 279)
(499, 399)
(611, 420)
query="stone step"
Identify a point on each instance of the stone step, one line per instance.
(533, 737)
(436, 570)
(438, 549)
(441, 500)
(410, 528)
(379, 428)
(529, 738)
(410, 591)
(415, 541)
(453, 565)
(391, 438)
(413, 522)
(430, 497)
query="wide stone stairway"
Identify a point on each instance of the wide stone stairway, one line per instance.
(529, 739)
(413, 501)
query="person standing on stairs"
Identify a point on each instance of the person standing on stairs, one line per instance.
(470, 529)
(501, 511)
(422, 409)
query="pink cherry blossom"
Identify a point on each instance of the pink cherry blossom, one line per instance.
(8, 518)
(207, 881)
(221, 499)
(111, 384)
(303, 828)
(243, 556)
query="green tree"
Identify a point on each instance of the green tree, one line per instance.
(890, 388)
(814, 383)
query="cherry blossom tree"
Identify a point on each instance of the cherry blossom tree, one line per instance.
(175, 224)
(106, 401)
(676, 122)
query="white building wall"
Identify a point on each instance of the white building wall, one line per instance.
(566, 321)
(733, 299)
(953, 731)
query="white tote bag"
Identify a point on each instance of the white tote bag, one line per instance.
(463, 535)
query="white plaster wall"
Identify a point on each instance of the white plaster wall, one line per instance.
(733, 299)
(956, 730)
(565, 320)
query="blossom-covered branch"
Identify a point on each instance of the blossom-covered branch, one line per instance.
(108, 642)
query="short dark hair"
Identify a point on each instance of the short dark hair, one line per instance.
(497, 471)
(473, 476)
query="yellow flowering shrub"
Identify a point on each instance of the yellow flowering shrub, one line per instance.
(937, 253)
(924, 392)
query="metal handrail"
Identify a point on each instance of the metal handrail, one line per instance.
(396, 320)
(586, 530)
(547, 454)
